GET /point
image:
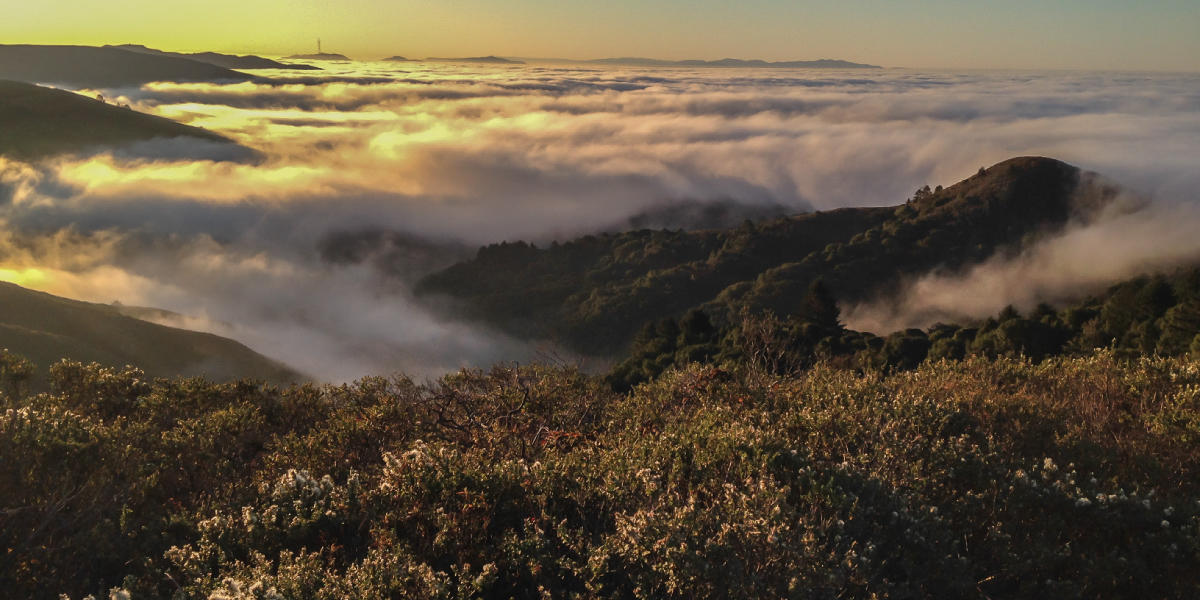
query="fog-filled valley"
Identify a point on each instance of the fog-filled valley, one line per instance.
(345, 186)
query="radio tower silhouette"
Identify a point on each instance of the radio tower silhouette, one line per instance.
(318, 45)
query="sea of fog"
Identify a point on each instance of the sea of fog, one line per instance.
(446, 157)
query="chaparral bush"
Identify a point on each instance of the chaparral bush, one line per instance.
(984, 478)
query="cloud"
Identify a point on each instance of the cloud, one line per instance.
(338, 322)
(447, 157)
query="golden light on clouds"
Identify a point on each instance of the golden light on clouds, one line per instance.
(104, 176)
(31, 278)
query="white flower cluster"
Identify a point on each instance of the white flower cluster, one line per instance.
(113, 594)
(300, 483)
(232, 589)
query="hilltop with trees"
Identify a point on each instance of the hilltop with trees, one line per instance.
(593, 294)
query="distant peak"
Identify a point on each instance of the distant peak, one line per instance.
(1030, 162)
(490, 59)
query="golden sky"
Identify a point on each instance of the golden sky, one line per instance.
(1085, 34)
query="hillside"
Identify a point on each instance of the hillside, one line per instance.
(1149, 315)
(92, 67)
(37, 121)
(594, 293)
(46, 328)
(228, 61)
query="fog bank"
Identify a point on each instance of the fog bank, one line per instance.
(449, 157)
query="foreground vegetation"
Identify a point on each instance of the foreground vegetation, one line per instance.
(981, 478)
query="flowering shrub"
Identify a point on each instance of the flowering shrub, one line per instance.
(986, 478)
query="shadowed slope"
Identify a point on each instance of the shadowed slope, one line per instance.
(46, 328)
(37, 121)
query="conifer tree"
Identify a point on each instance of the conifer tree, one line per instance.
(1179, 326)
(820, 309)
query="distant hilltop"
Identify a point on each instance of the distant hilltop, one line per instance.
(493, 60)
(319, 56)
(229, 61)
(397, 59)
(89, 66)
(824, 63)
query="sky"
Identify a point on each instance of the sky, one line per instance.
(1154, 35)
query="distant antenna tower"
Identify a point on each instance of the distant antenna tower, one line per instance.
(318, 45)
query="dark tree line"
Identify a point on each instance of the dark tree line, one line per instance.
(1147, 316)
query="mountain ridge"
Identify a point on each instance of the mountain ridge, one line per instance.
(228, 61)
(103, 67)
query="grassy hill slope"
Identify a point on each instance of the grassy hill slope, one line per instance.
(37, 121)
(45, 328)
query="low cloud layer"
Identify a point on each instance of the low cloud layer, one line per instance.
(458, 156)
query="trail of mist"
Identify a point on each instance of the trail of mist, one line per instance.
(1086, 258)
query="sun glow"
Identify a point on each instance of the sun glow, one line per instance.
(215, 181)
(31, 278)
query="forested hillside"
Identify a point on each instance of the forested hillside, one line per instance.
(1150, 315)
(593, 294)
